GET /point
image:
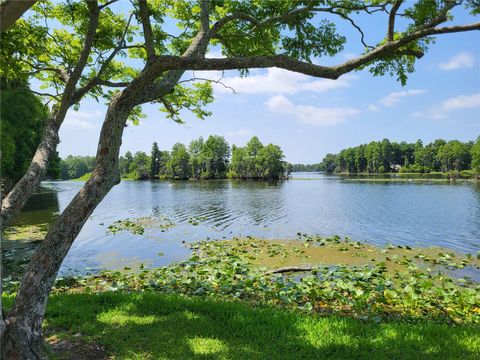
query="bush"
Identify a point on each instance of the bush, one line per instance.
(467, 174)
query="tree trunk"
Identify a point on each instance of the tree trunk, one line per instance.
(23, 334)
(22, 338)
(18, 196)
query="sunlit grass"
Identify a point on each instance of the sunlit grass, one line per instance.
(158, 326)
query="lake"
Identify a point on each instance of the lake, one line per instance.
(375, 212)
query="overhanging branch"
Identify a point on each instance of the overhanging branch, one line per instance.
(167, 62)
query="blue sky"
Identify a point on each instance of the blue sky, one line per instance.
(310, 117)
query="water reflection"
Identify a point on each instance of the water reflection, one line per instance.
(41, 208)
(379, 213)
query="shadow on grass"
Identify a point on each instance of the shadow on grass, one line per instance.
(156, 326)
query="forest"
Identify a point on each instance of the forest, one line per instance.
(200, 160)
(386, 157)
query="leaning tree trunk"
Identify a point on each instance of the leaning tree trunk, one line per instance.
(22, 336)
(23, 333)
(19, 194)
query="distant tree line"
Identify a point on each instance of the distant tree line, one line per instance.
(385, 156)
(202, 159)
(307, 167)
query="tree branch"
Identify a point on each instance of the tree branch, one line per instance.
(108, 3)
(219, 81)
(71, 84)
(80, 93)
(11, 11)
(204, 16)
(113, 84)
(45, 94)
(169, 107)
(359, 29)
(147, 29)
(442, 16)
(167, 62)
(391, 19)
(393, 47)
(62, 73)
(288, 15)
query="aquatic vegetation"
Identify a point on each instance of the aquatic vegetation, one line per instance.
(26, 232)
(238, 270)
(137, 226)
(132, 226)
(19, 243)
(197, 220)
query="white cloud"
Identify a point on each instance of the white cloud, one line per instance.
(80, 119)
(462, 102)
(373, 108)
(276, 81)
(454, 103)
(395, 97)
(459, 61)
(311, 115)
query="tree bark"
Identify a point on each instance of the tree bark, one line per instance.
(11, 11)
(22, 337)
(23, 334)
(16, 198)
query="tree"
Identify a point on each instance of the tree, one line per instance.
(214, 157)
(73, 167)
(252, 149)
(178, 165)
(384, 156)
(455, 156)
(360, 160)
(124, 163)
(140, 167)
(195, 150)
(164, 159)
(75, 63)
(270, 161)
(238, 166)
(328, 163)
(251, 34)
(475, 152)
(154, 161)
(255, 161)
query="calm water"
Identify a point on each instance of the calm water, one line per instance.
(379, 213)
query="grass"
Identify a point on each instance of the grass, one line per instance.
(158, 326)
(84, 177)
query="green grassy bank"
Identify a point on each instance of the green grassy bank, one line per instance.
(159, 326)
